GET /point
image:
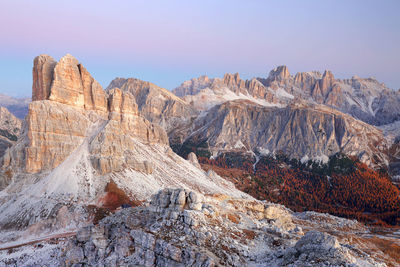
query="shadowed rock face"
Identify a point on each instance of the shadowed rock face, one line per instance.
(43, 72)
(10, 128)
(315, 131)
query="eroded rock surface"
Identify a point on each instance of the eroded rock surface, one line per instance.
(67, 105)
(297, 130)
(184, 228)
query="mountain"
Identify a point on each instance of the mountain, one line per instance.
(80, 141)
(204, 93)
(157, 104)
(301, 131)
(17, 106)
(234, 116)
(365, 99)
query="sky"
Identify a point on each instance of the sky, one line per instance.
(168, 42)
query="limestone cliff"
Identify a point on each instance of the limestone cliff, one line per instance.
(76, 139)
(156, 104)
(300, 131)
(67, 103)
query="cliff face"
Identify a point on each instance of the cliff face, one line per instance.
(68, 104)
(10, 128)
(76, 139)
(156, 104)
(299, 131)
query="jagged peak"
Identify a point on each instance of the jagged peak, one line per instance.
(43, 57)
(69, 58)
(312, 74)
(328, 74)
(135, 86)
(280, 72)
(232, 75)
(66, 82)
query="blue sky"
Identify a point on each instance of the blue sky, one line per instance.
(167, 42)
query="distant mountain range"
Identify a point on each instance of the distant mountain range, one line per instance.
(17, 106)
(83, 153)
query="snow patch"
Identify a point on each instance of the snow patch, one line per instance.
(282, 93)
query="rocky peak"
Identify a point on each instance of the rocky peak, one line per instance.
(279, 73)
(327, 80)
(306, 80)
(193, 86)
(66, 82)
(43, 69)
(122, 102)
(71, 110)
(233, 80)
(156, 104)
(278, 77)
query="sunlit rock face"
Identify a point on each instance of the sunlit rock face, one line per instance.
(299, 131)
(68, 107)
(156, 104)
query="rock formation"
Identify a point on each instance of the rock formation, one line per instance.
(75, 142)
(184, 228)
(315, 131)
(67, 104)
(156, 104)
(365, 99)
(10, 128)
(362, 99)
(43, 72)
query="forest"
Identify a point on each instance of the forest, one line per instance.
(343, 186)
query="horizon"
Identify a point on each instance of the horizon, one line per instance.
(169, 43)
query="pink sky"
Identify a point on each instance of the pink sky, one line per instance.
(167, 42)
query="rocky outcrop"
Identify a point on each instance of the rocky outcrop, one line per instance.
(10, 128)
(192, 86)
(184, 228)
(43, 72)
(157, 104)
(192, 158)
(277, 77)
(68, 106)
(313, 131)
(70, 151)
(54, 130)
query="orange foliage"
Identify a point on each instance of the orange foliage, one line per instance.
(363, 194)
